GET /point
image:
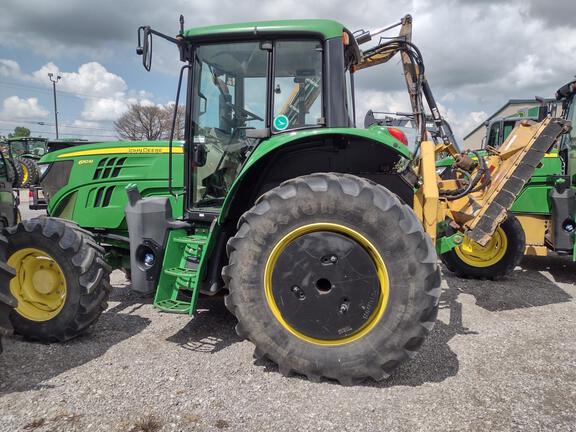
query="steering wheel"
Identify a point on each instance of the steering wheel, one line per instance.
(244, 112)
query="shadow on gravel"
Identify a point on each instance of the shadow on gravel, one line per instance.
(561, 268)
(211, 330)
(524, 288)
(26, 365)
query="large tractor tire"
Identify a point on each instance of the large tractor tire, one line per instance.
(62, 281)
(494, 261)
(331, 276)
(19, 172)
(7, 300)
(29, 172)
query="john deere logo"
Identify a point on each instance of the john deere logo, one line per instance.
(281, 122)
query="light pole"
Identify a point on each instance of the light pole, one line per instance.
(54, 81)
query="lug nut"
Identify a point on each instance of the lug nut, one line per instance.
(297, 291)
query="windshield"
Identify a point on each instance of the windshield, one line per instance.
(233, 92)
(37, 148)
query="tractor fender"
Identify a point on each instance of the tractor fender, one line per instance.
(372, 153)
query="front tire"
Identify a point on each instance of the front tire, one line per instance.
(331, 276)
(7, 300)
(62, 281)
(494, 261)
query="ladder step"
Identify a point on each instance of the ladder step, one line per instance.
(181, 272)
(192, 240)
(174, 306)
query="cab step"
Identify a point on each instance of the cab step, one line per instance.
(174, 306)
(178, 287)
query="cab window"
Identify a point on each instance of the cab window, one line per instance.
(297, 84)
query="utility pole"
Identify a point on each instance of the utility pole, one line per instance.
(54, 81)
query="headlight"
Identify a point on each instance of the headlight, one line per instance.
(42, 168)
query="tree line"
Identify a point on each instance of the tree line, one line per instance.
(150, 123)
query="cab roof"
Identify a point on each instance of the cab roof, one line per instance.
(327, 29)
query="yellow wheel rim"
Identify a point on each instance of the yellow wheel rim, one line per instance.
(39, 285)
(366, 244)
(25, 174)
(475, 255)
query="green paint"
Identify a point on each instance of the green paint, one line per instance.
(93, 175)
(326, 29)
(447, 243)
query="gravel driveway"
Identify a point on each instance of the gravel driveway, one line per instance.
(501, 357)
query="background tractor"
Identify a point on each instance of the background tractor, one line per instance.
(25, 152)
(323, 236)
(542, 218)
(82, 187)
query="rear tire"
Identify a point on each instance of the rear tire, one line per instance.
(19, 172)
(32, 169)
(498, 259)
(82, 279)
(28, 172)
(322, 344)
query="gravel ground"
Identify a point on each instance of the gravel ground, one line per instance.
(501, 357)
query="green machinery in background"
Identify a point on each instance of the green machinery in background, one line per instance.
(25, 152)
(323, 236)
(542, 218)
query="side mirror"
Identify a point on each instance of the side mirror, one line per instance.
(199, 154)
(144, 47)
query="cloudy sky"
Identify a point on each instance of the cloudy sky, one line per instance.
(478, 54)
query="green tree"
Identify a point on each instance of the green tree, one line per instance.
(19, 131)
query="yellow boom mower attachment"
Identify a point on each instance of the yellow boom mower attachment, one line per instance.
(475, 201)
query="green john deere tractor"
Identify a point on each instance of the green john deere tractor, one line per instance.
(542, 219)
(323, 236)
(25, 152)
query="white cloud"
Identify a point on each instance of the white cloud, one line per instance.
(14, 107)
(106, 95)
(10, 69)
(91, 79)
(104, 109)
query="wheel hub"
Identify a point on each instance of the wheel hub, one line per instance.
(476, 255)
(44, 281)
(39, 285)
(326, 285)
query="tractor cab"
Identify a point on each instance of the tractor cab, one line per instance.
(27, 146)
(267, 79)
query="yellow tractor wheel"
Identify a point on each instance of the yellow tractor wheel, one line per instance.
(493, 261)
(62, 281)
